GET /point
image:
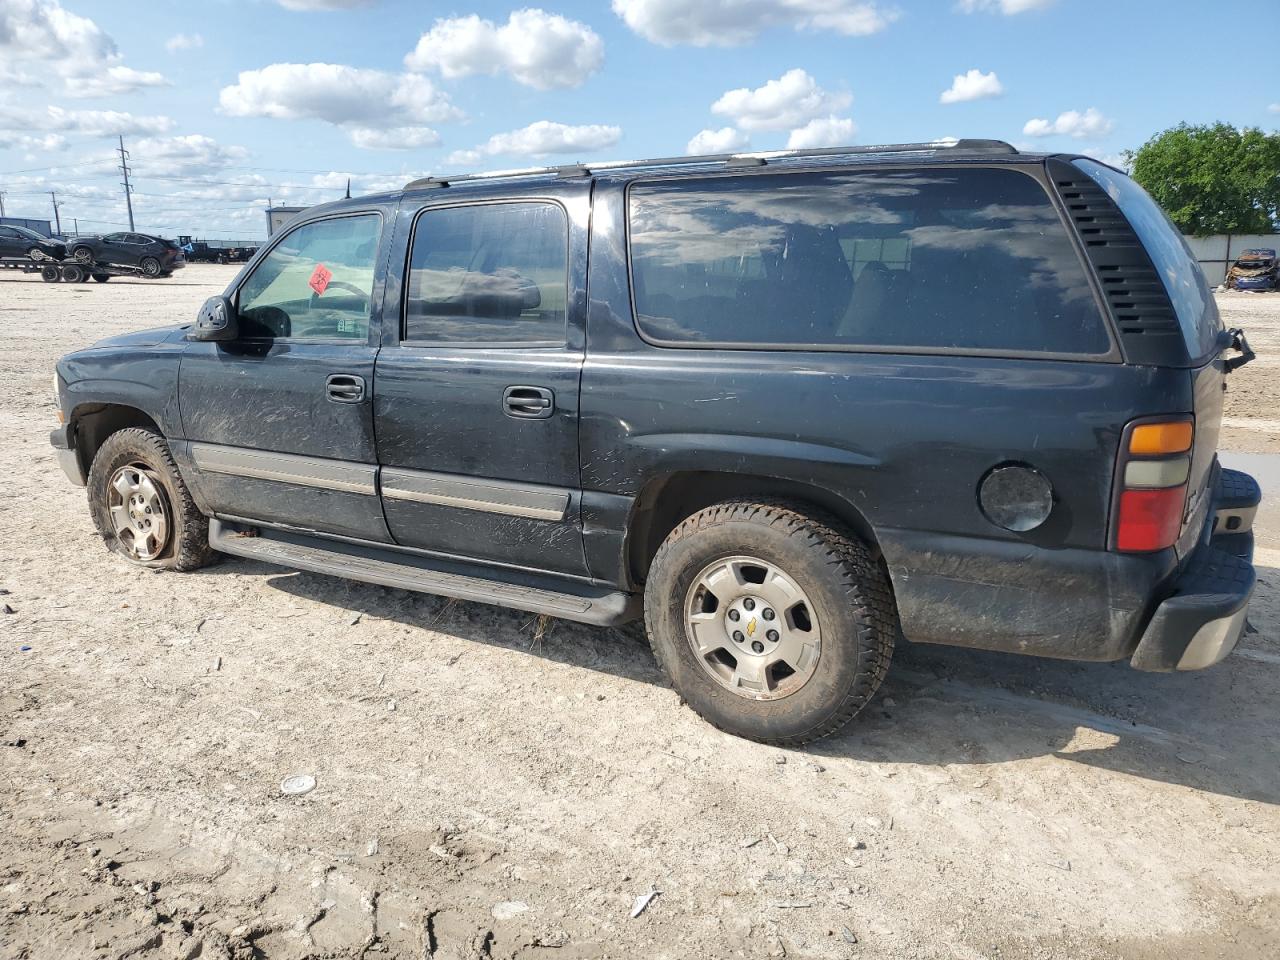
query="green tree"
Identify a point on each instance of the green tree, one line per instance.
(1213, 178)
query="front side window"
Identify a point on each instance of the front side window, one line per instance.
(960, 258)
(316, 283)
(489, 273)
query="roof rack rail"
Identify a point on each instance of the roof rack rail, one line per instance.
(576, 170)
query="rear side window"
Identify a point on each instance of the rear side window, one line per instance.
(1192, 301)
(489, 273)
(970, 259)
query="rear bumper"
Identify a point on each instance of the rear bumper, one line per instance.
(1201, 620)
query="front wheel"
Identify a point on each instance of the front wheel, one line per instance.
(72, 274)
(140, 505)
(772, 624)
(50, 274)
(150, 267)
(83, 254)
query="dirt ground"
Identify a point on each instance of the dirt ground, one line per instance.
(484, 790)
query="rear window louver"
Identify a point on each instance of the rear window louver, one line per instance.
(1139, 304)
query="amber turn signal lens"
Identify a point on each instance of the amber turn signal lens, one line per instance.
(1149, 439)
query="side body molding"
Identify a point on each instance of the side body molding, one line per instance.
(286, 468)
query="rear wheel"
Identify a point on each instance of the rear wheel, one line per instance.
(150, 267)
(50, 274)
(141, 507)
(35, 253)
(72, 274)
(102, 277)
(772, 624)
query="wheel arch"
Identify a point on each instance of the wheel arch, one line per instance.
(664, 501)
(94, 422)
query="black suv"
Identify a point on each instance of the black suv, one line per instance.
(790, 407)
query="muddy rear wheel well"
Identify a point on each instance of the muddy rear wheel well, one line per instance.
(95, 422)
(665, 501)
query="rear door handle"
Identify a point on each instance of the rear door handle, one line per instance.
(344, 388)
(528, 403)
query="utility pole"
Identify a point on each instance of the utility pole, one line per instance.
(1, 203)
(124, 169)
(57, 219)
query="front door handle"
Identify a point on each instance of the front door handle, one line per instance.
(344, 388)
(528, 403)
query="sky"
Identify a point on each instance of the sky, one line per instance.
(228, 105)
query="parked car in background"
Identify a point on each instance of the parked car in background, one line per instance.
(152, 256)
(20, 242)
(1255, 269)
(812, 404)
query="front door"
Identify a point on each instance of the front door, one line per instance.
(476, 399)
(280, 420)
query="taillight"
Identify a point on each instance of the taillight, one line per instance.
(1152, 473)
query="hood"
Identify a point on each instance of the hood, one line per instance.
(145, 338)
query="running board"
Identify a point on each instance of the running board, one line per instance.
(505, 588)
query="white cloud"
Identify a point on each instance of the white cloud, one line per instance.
(726, 23)
(823, 132)
(53, 42)
(1274, 108)
(783, 104)
(189, 155)
(1007, 7)
(724, 140)
(1073, 123)
(363, 102)
(88, 123)
(540, 139)
(184, 41)
(539, 49)
(973, 85)
(113, 81)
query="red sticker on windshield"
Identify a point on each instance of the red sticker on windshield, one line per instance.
(320, 278)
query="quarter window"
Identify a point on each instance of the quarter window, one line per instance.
(489, 273)
(969, 259)
(315, 284)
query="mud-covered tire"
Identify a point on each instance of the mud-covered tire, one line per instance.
(842, 578)
(187, 541)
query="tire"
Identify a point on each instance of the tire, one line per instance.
(72, 274)
(150, 267)
(102, 277)
(847, 600)
(139, 453)
(36, 254)
(50, 274)
(82, 254)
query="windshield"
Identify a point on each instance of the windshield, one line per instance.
(1192, 300)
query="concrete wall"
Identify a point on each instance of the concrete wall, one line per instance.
(1216, 254)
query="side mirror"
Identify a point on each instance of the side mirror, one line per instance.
(215, 321)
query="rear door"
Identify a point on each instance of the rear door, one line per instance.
(476, 397)
(280, 420)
